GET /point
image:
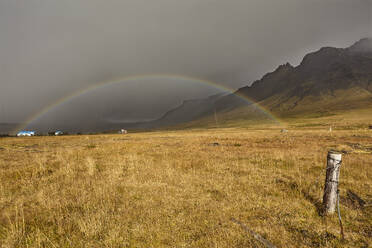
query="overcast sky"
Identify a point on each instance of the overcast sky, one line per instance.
(50, 49)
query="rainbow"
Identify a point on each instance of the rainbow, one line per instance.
(99, 85)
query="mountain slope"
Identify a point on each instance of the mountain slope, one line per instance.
(188, 111)
(319, 75)
(326, 80)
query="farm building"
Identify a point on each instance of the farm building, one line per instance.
(123, 131)
(26, 133)
(57, 133)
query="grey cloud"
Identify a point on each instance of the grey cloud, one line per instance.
(50, 49)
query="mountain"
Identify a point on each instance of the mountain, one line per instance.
(321, 75)
(188, 111)
(326, 80)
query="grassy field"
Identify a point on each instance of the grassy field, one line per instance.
(181, 188)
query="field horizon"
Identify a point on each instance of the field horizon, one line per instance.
(182, 188)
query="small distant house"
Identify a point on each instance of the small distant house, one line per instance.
(58, 133)
(26, 133)
(123, 131)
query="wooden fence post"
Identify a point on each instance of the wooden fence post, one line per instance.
(334, 160)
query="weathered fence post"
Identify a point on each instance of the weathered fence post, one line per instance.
(331, 182)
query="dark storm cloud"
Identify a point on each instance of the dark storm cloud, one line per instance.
(49, 49)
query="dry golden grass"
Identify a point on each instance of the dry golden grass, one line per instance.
(177, 189)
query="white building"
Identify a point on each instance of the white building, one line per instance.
(57, 133)
(26, 133)
(123, 131)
